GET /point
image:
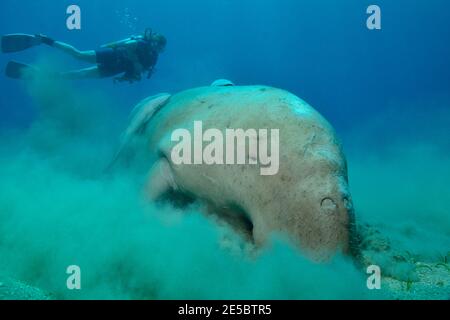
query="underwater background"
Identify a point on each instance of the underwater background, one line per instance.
(386, 92)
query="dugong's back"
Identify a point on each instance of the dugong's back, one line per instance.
(307, 198)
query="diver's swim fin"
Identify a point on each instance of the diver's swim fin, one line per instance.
(17, 70)
(19, 42)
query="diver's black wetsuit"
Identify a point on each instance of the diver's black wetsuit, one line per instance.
(114, 61)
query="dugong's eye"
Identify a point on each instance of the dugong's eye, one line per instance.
(328, 206)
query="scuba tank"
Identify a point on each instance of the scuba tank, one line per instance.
(116, 44)
(146, 36)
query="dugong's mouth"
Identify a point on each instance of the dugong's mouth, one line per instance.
(178, 198)
(232, 215)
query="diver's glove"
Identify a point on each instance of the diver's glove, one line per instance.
(45, 39)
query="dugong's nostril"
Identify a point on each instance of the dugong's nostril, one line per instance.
(328, 206)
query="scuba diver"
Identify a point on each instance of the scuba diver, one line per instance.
(129, 58)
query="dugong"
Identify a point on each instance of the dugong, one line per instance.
(307, 200)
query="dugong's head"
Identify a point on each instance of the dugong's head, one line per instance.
(325, 205)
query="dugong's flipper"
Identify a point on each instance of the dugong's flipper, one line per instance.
(144, 111)
(222, 83)
(161, 180)
(140, 117)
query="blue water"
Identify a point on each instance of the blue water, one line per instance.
(386, 92)
(320, 50)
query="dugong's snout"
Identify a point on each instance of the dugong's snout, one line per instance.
(324, 216)
(335, 219)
